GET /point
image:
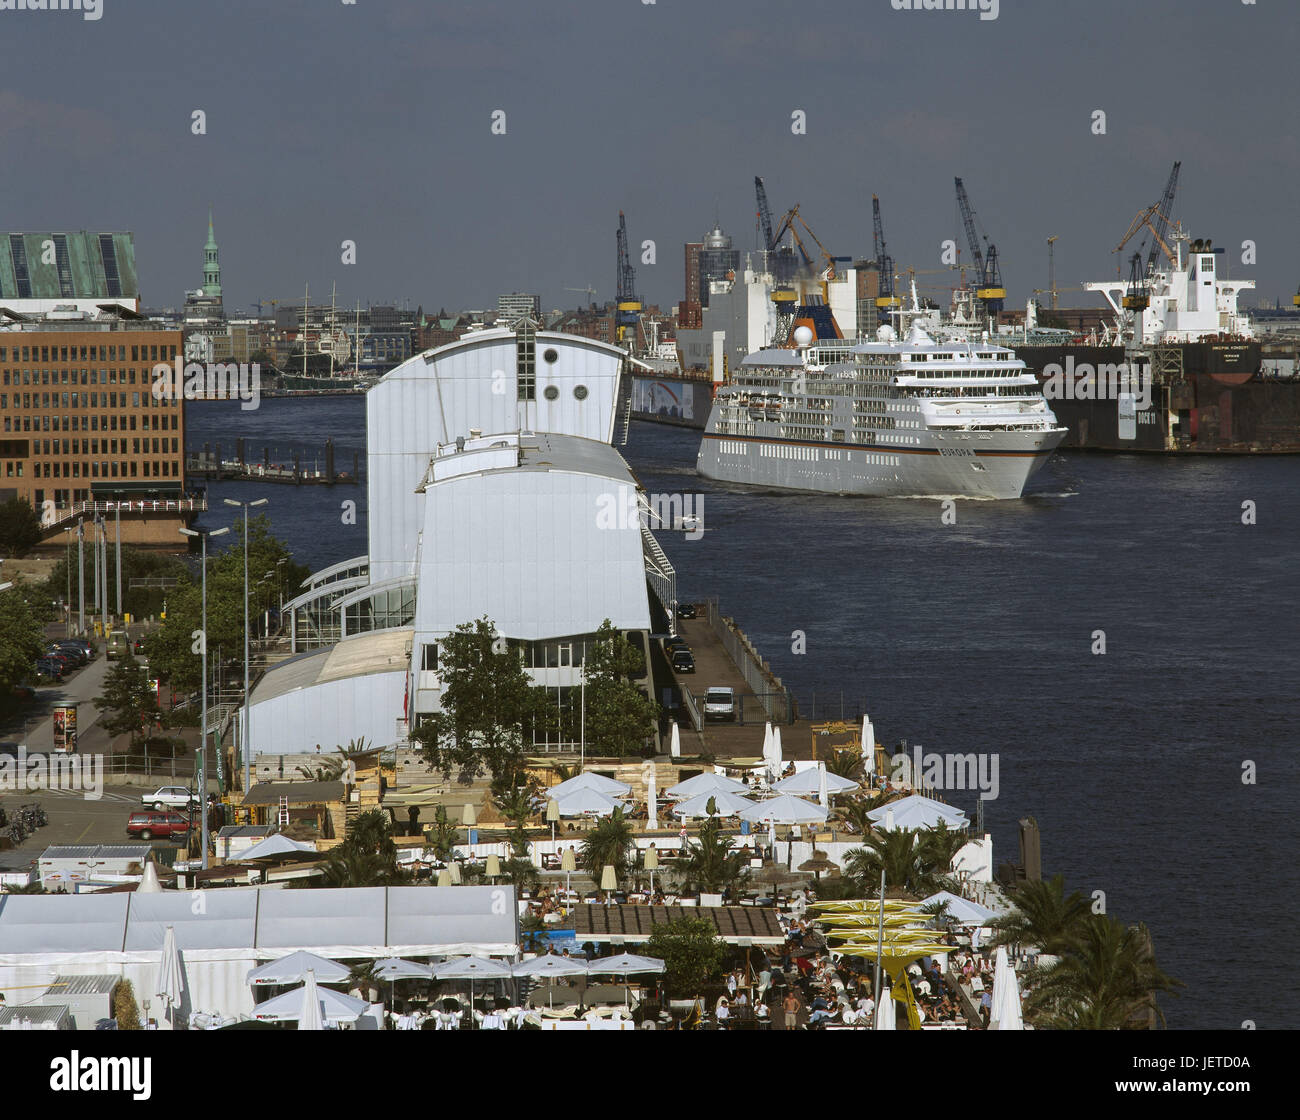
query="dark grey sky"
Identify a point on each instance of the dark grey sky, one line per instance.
(371, 122)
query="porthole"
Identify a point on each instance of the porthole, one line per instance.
(550, 356)
(580, 391)
(550, 392)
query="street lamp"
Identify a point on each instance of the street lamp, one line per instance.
(203, 535)
(243, 739)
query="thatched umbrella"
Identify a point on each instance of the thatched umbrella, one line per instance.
(820, 862)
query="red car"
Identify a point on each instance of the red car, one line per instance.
(152, 825)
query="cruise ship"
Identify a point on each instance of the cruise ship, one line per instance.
(918, 417)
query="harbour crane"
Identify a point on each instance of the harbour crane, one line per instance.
(989, 289)
(628, 304)
(788, 224)
(764, 215)
(589, 290)
(886, 299)
(1051, 268)
(1155, 218)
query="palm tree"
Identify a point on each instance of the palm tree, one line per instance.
(1105, 979)
(711, 864)
(914, 860)
(1044, 916)
(516, 806)
(521, 873)
(610, 842)
(442, 835)
(845, 764)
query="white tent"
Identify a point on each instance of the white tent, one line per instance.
(784, 809)
(918, 812)
(293, 969)
(963, 911)
(333, 1007)
(705, 783)
(808, 782)
(588, 780)
(276, 845)
(580, 802)
(725, 804)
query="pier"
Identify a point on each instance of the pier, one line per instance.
(209, 465)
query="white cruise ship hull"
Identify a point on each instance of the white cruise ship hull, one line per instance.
(932, 464)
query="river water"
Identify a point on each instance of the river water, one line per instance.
(1162, 773)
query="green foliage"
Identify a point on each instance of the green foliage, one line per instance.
(609, 843)
(522, 873)
(1105, 979)
(1044, 916)
(692, 953)
(914, 860)
(20, 527)
(139, 602)
(367, 857)
(128, 705)
(845, 764)
(516, 806)
(21, 638)
(489, 707)
(125, 1009)
(442, 834)
(712, 865)
(619, 716)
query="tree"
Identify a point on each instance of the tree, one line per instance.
(125, 1009)
(619, 717)
(692, 953)
(442, 834)
(128, 704)
(610, 843)
(516, 806)
(20, 528)
(712, 864)
(21, 639)
(489, 707)
(367, 857)
(913, 860)
(845, 764)
(1044, 916)
(1105, 979)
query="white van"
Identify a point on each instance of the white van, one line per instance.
(720, 703)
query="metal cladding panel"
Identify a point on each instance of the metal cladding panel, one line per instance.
(228, 919)
(329, 713)
(88, 923)
(341, 916)
(484, 916)
(536, 556)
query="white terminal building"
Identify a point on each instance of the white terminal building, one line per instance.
(494, 490)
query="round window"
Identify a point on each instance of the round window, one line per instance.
(550, 392)
(550, 356)
(580, 391)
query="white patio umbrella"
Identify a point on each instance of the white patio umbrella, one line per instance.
(311, 1017)
(808, 782)
(392, 969)
(675, 741)
(823, 795)
(705, 783)
(963, 911)
(868, 746)
(471, 969)
(767, 749)
(625, 965)
(588, 780)
(292, 969)
(885, 1015)
(1004, 1010)
(169, 981)
(332, 1006)
(652, 800)
(778, 759)
(583, 801)
(552, 964)
(918, 811)
(784, 809)
(725, 804)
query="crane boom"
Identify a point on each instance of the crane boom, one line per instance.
(990, 290)
(884, 261)
(1164, 208)
(764, 215)
(629, 306)
(968, 220)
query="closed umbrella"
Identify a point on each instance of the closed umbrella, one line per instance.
(149, 883)
(675, 742)
(1004, 1010)
(868, 747)
(823, 795)
(311, 1017)
(169, 983)
(778, 759)
(885, 1011)
(767, 750)
(652, 801)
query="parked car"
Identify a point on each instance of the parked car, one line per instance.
(118, 646)
(74, 653)
(683, 660)
(70, 660)
(672, 645)
(685, 610)
(720, 703)
(153, 825)
(86, 647)
(49, 667)
(170, 797)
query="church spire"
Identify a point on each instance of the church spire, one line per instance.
(211, 267)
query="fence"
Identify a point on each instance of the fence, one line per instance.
(777, 702)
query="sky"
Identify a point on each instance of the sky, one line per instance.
(327, 121)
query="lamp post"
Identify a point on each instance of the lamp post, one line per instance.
(81, 577)
(203, 535)
(67, 563)
(243, 738)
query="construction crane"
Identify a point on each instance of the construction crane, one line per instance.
(989, 289)
(589, 290)
(1155, 218)
(1137, 297)
(1051, 268)
(886, 299)
(764, 215)
(788, 225)
(629, 306)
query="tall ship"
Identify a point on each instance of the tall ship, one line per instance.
(901, 417)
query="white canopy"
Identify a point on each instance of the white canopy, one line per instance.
(588, 780)
(277, 845)
(552, 964)
(472, 968)
(705, 783)
(293, 969)
(334, 1006)
(394, 968)
(918, 812)
(625, 964)
(582, 801)
(963, 911)
(784, 809)
(725, 804)
(808, 782)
